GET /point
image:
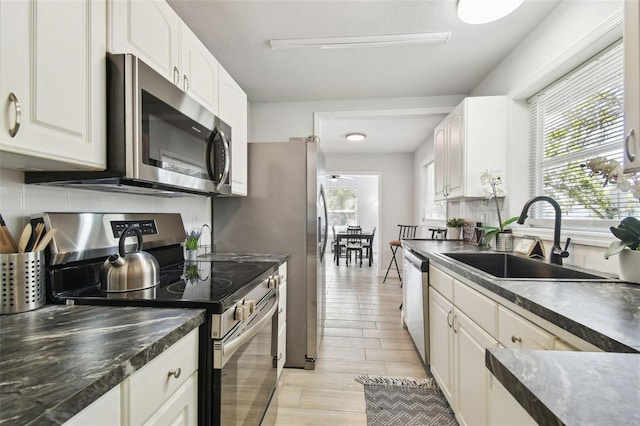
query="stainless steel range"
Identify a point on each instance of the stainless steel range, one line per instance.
(237, 374)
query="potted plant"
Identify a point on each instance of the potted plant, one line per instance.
(191, 244)
(627, 246)
(454, 225)
(504, 237)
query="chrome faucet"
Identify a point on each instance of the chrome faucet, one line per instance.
(557, 253)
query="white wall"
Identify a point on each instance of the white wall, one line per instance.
(278, 121)
(396, 192)
(19, 201)
(572, 33)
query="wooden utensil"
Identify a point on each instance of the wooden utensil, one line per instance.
(44, 242)
(38, 235)
(24, 238)
(7, 243)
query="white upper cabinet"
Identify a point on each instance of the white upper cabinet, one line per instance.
(152, 31)
(149, 29)
(233, 111)
(52, 84)
(631, 86)
(472, 139)
(199, 70)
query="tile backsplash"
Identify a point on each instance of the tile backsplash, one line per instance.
(19, 201)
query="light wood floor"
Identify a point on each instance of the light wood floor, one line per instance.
(363, 335)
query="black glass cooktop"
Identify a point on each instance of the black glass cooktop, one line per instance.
(212, 285)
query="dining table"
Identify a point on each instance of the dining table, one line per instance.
(364, 236)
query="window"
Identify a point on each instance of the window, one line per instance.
(431, 209)
(342, 206)
(576, 119)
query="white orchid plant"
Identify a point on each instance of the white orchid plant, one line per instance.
(612, 172)
(491, 188)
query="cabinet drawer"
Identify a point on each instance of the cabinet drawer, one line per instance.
(181, 408)
(441, 281)
(282, 271)
(482, 310)
(516, 332)
(561, 345)
(151, 386)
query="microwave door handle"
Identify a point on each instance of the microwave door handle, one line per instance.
(209, 155)
(227, 159)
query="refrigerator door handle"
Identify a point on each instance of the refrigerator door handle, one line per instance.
(325, 234)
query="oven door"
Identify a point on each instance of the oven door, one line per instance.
(244, 376)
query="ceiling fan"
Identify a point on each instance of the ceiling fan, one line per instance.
(334, 178)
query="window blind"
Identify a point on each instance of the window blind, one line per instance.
(577, 118)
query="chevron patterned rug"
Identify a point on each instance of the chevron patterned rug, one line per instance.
(405, 401)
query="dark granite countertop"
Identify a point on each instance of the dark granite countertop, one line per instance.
(57, 360)
(571, 388)
(565, 387)
(604, 313)
(249, 257)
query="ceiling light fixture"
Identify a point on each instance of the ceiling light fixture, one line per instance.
(356, 137)
(484, 11)
(362, 41)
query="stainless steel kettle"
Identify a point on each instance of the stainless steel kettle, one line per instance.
(136, 270)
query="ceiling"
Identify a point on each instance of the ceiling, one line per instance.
(238, 33)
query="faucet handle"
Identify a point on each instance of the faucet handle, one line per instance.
(564, 252)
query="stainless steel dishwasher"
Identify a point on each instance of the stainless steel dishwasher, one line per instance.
(416, 301)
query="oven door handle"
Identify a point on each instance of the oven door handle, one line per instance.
(229, 348)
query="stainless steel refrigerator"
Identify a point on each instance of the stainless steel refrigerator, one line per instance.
(285, 212)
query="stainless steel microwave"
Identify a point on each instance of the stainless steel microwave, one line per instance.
(159, 140)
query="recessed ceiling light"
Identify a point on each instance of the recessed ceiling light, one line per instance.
(362, 41)
(483, 11)
(356, 137)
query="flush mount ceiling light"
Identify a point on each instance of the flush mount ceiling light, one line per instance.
(362, 41)
(483, 11)
(356, 137)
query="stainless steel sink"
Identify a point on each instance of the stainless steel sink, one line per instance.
(510, 266)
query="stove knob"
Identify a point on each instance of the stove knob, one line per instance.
(272, 282)
(250, 305)
(241, 313)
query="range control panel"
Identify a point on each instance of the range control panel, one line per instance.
(146, 227)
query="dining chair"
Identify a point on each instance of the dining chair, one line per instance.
(367, 245)
(404, 231)
(354, 244)
(339, 248)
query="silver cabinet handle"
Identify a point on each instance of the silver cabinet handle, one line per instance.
(185, 83)
(515, 339)
(175, 373)
(16, 122)
(449, 318)
(630, 156)
(176, 75)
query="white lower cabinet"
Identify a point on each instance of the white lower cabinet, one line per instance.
(103, 412)
(281, 352)
(441, 335)
(163, 392)
(471, 375)
(503, 409)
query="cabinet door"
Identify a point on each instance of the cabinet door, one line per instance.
(181, 408)
(504, 410)
(440, 146)
(105, 411)
(455, 150)
(632, 86)
(472, 377)
(199, 70)
(149, 29)
(56, 79)
(441, 342)
(233, 111)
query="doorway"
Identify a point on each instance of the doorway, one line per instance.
(354, 199)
